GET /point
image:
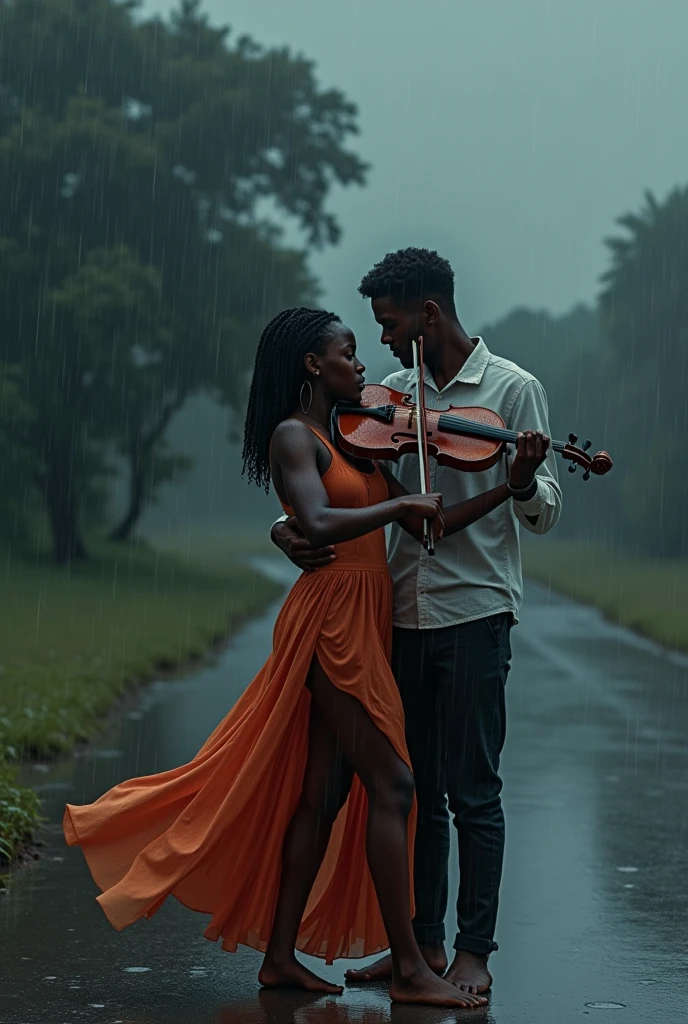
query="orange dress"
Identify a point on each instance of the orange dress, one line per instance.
(210, 833)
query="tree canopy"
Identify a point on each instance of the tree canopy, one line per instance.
(149, 166)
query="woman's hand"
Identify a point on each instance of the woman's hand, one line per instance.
(427, 506)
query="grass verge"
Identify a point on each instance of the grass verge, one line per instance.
(647, 595)
(73, 641)
(19, 815)
(212, 544)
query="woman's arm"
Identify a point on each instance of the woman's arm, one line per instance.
(294, 450)
(456, 517)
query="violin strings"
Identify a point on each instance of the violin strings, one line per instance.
(450, 423)
(471, 428)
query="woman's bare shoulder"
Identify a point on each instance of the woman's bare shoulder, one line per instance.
(292, 436)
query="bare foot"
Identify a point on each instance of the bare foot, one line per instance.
(469, 972)
(292, 974)
(381, 970)
(424, 987)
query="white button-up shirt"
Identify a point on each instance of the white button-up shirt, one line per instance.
(477, 571)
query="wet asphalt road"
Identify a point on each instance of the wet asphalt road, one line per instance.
(594, 911)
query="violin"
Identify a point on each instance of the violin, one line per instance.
(388, 424)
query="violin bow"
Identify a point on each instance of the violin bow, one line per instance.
(421, 429)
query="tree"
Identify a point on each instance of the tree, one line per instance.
(140, 249)
(159, 378)
(644, 301)
(18, 505)
(563, 352)
(51, 263)
(644, 306)
(572, 359)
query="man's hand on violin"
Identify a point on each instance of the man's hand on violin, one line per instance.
(531, 452)
(289, 539)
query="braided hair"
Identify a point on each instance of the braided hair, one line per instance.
(278, 376)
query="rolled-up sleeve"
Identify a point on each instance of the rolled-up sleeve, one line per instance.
(530, 412)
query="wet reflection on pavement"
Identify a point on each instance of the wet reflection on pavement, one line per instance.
(593, 912)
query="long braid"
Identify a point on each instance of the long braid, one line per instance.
(278, 375)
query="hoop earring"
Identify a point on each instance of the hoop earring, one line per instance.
(307, 384)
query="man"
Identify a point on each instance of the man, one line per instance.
(453, 612)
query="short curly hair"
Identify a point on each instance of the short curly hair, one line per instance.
(409, 274)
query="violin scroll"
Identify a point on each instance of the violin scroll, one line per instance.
(598, 464)
(601, 463)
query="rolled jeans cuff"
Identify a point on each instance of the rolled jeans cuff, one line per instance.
(429, 934)
(472, 944)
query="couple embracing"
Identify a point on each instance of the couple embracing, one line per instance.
(316, 816)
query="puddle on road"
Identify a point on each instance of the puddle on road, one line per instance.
(606, 1006)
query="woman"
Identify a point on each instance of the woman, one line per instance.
(268, 828)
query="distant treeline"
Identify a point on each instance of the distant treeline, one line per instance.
(617, 374)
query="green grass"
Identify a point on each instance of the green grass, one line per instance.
(19, 815)
(73, 641)
(213, 544)
(645, 594)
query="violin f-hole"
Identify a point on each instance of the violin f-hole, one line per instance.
(402, 433)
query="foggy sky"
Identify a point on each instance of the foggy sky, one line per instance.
(507, 134)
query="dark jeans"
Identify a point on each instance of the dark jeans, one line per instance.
(452, 684)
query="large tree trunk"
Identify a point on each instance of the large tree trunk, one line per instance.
(63, 514)
(124, 529)
(140, 456)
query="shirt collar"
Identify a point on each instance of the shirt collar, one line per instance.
(472, 370)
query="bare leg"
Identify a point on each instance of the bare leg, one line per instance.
(389, 786)
(327, 781)
(421, 691)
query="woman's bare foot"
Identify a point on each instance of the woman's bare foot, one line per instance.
(469, 972)
(381, 970)
(424, 987)
(291, 974)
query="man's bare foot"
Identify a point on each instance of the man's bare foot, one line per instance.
(469, 972)
(292, 974)
(424, 987)
(381, 970)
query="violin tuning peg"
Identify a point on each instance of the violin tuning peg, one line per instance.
(586, 475)
(573, 467)
(586, 445)
(573, 438)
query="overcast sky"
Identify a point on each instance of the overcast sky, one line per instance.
(507, 134)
